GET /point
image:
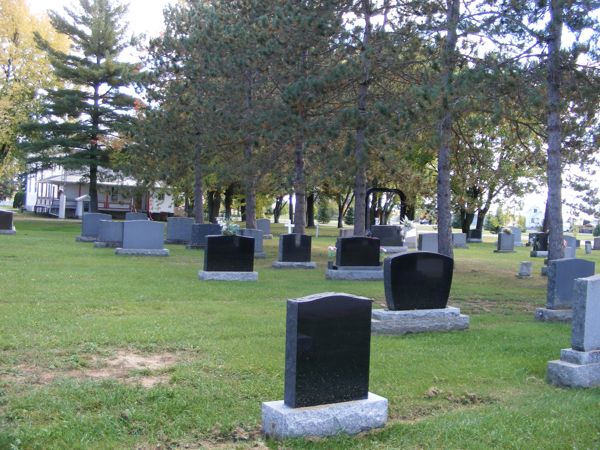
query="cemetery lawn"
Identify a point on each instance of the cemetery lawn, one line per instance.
(105, 351)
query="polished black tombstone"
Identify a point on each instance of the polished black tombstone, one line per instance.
(357, 251)
(419, 280)
(294, 247)
(474, 234)
(389, 235)
(6, 220)
(328, 342)
(539, 242)
(200, 231)
(229, 254)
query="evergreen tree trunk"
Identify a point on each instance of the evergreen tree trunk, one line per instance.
(216, 207)
(443, 180)
(310, 211)
(93, 192)
(554, 203)
(278, 207)
(299, 187)
(228, 201)
(360, 148)
(198, 200)
(340, 205)
(291, 207)
(250, 190)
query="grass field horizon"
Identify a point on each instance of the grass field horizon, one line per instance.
(211, 352)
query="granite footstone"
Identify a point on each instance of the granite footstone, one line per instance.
(418, 321)
(227, 276)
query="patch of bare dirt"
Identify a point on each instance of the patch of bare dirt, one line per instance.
(125, 366)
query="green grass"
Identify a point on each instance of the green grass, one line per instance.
(63, 304)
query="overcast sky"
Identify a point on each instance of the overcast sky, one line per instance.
(145, 16)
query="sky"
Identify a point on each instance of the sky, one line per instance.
(145, 16)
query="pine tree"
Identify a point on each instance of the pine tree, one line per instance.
(79, 121)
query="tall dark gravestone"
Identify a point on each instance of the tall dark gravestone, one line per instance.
(294, 247)
(326, 390)
(474, 236)
(6, 222)
(389, 235)
(328, 341)
(229, 254)
(357, 252)
(419, 280)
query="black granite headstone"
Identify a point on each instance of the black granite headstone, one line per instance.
(294, 247)
(357, 251)
(474, 234)
(229, 254)
(6, 220)
(419, 280)
(390, 235)
(200, 231)
(328, 342)
(539, 242)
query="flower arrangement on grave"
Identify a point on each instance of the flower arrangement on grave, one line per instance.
(230, 228)
(406, 225)
(331, 251)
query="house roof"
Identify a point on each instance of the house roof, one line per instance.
(105, 178)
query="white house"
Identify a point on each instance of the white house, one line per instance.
(534, 218)
(116, 194)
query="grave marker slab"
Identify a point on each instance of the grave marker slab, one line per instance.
(326, 389)
(294, 252)
(474, 236)
(588, 247)
(259, 251)
(356, 258)
(389, 235)
(110, 235)
(459, 240)
(200, 231)
(90, 226)
(516, 232)
(505, 244)
(179, 230)
(525, 269)
(428, 242)
(143, 238)
(6, 222)
(229, 258)
(579, 366)
(596, 243)
(264, 225)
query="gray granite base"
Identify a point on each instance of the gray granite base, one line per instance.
(553, 315)
(575, 369)
(504, 251)
(538, 254)
(227, 276)
(13, 231)
(475, 241)
(280, 421)
(356, 275)
(293, 265)
(142, 251)
(99, 244)
(86, 239)
(418, 321)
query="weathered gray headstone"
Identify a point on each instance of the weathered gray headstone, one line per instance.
(570, 252)
(579, 366)
(143, 237)
(389, 235)
(588, 247)
(596, 243)
(570, 241)
(259, 251)
(428, 242)
(506, 243)
(516, 232)
(90, 226)
(6, 222)
(346, 232)
(561, 277)
(136, 216)
(200, 231)
(110, 235)
(459, 240)
(525, 269)
(264, 225)
(179, 230)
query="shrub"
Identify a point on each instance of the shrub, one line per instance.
(596, 231)
(19, 199)
(349, 217)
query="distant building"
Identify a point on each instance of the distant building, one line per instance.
(534, 218)
(116, 194)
